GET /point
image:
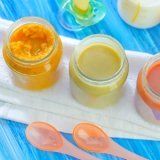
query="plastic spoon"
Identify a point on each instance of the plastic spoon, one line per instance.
(45, 137)
(92, 138)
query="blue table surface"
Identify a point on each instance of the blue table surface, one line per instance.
(13, 143)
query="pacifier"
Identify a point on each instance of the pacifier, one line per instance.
(78, 14)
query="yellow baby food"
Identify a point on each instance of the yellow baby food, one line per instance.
(98, 70)
(99, 61)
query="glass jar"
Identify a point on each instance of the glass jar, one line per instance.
(97, 92)
(147, 100)
(140, 13)
(28, 73)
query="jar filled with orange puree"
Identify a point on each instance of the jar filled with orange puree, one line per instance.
(98, 70)
(32, 50)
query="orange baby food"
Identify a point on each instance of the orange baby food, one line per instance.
(31, 42)
(32, 51)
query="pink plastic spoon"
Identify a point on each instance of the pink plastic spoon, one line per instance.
(45, 137)
(92, 138)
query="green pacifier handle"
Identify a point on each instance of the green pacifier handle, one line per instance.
(81, 6)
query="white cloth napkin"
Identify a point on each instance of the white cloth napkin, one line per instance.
(56, 105)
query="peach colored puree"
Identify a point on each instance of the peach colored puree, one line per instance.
(153, 77)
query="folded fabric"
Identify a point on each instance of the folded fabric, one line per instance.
(56, 105)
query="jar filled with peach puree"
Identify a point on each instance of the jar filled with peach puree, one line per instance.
(98, 70)
(147, 97)
(32, 50)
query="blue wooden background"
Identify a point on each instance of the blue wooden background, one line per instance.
(13, 143)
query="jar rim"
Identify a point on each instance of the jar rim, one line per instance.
(145, 69)
(29, 20)
(116, 74)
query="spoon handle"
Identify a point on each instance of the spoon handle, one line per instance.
(74, 151)
(121, 152)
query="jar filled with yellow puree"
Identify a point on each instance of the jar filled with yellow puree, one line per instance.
(98, 70)
(32, 50)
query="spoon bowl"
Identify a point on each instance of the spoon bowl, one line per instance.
(90, 137)
(44, 136)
